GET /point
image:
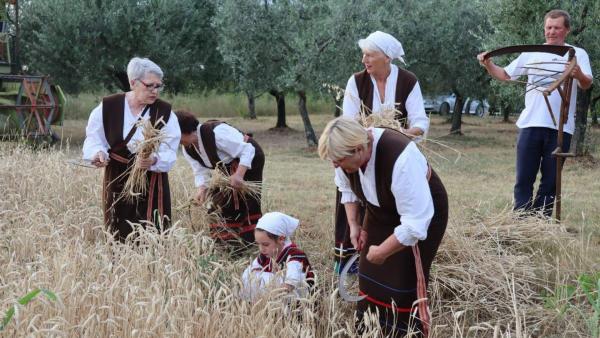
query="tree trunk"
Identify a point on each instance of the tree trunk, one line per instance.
(280, 100)
(457, 115)
(251, 105)
(583, 104)
(506, 108)
(311, 138)
(594, 110)
(122, 79)
(506, 113)
(338, 105)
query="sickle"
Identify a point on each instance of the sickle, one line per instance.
(81, 163)
(341, 282)
(558, 50)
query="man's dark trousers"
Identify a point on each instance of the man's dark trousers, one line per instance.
(534, 153)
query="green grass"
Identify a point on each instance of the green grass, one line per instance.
(207, 104)
(24, 301)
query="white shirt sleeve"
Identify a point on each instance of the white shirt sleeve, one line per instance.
(167, 150)
(515, 68)
(201, 174)
(293, 274)
(413, 196)
(351, 104)
(343, 184)
(583, 60)
(416, 109)
(95, 140)
(230, 141)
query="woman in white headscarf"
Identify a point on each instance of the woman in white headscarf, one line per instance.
(381, 87)
(277, 253)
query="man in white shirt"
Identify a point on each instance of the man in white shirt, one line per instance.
(538, 129)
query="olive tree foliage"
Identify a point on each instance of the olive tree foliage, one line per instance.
(522, 22)
(276, 46)
(441, 39)
(250, 34)
(347, 22)
(292, 46)
(86, 44)
(320, 46)
(302, 43)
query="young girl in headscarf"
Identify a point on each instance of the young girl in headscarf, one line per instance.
(277, 253)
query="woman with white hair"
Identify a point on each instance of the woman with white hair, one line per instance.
(381, 87)
(111, 142)
(406, 213)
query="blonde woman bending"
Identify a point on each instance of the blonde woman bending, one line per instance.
(406, 212)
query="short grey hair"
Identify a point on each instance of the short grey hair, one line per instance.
(369, 46)
(138, 68)
(559, 13)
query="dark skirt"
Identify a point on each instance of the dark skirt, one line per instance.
(240, 214)
(391, 288)
(154, 206)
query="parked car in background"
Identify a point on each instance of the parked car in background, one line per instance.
(444, 105)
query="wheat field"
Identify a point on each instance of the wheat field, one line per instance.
(497, 274)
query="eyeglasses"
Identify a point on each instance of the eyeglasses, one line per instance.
(152, 86)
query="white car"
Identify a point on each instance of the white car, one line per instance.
(444, 105)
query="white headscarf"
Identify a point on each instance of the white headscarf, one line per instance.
(278, 224)
(388, 44)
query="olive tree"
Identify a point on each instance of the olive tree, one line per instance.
(86, 44)
(249, 32)
(443, 39)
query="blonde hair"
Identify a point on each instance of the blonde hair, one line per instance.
(341, 137)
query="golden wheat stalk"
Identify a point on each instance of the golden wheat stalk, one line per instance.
(494, 272)
(200, 214)
(137, 182)
(219, 183)
(387, 119)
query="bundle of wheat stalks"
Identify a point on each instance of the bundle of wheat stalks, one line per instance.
(137, 181)
(200, 215)
(220, 184)
(387, 119)
(219, 191)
